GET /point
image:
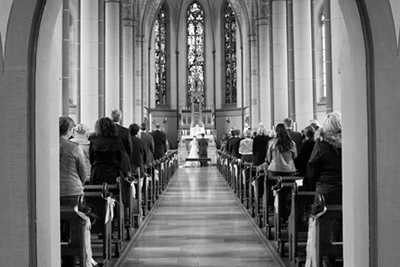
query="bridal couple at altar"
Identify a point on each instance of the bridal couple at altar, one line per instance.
(198, 150)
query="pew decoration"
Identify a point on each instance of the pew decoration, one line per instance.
(90, 262)
(109, 209)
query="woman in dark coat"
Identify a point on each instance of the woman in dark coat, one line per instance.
(325, 164)
(260, 145)
(107, 154)
(304, 155)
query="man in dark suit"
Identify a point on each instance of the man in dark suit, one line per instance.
(203, 145)
(296, 136)
(160, 142)
(123, 133)
(233, 143)
(148, 139)
(138, 155)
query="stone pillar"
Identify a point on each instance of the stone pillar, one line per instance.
(89, 104)
(302, 46)
(138, 93)
(254, 91)
(66, 45)
(127, 59)
(112, 55)
(264, 56)
(279, 59)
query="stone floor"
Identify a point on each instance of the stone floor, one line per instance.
(198, 222)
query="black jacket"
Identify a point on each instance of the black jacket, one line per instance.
(325, 166)
(260, 147)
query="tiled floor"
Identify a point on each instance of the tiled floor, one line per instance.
(198, 223)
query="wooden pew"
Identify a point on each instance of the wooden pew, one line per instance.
(326, 246)
(282, 191)
(298, 224)
(73, 243)
(246, 177)
(95, 196)
(258, 189)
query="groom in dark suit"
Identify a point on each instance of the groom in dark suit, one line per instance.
(203, 145)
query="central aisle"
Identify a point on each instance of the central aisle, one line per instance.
(198, 223)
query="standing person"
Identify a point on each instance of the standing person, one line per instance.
(160, 142)
(281, 153)
(296, 136)
(304, 155)
(81, 137)
(325, 164)
(122, 132)
(203, 145)
(107, 153)
(246, 147)
(72, 176)
(194, 151)
(148, 139)
(138, 155)
(260, 144)
(72, 165)
(233, 144)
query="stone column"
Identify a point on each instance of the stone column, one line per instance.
(66, 45)
(138, 93)
(89, 104)
(255, 89)
(112, 55)
(264, 56)
(279, 59)
(127, 60)
(303, 83)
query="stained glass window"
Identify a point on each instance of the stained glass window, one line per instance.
(230, 55)
(160, 50)
(195, 46)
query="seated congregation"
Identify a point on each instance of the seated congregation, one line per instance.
(291, 184)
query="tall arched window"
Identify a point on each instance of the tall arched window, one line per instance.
(323, 57)
(195, 45)
(160, 55)
(230, 55)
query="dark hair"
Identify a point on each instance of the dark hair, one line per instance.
(284, 142)
(309, 132)
(134, 129)
(143, 126)
(105, 127)
(288, 122)
(65, 124)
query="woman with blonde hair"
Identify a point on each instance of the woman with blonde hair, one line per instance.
(325, 165)
(81, 138)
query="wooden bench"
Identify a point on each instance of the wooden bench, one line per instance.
(326, 246)
(95, 196)
(258, 188)
(298, 224)
(282, 191)
(73, 243)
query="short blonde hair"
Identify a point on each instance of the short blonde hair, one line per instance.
(333, 122)
(81, 129)
(261, 130)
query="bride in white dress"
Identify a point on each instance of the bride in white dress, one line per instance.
(194, 152)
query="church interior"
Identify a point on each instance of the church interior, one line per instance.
(192, 67)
